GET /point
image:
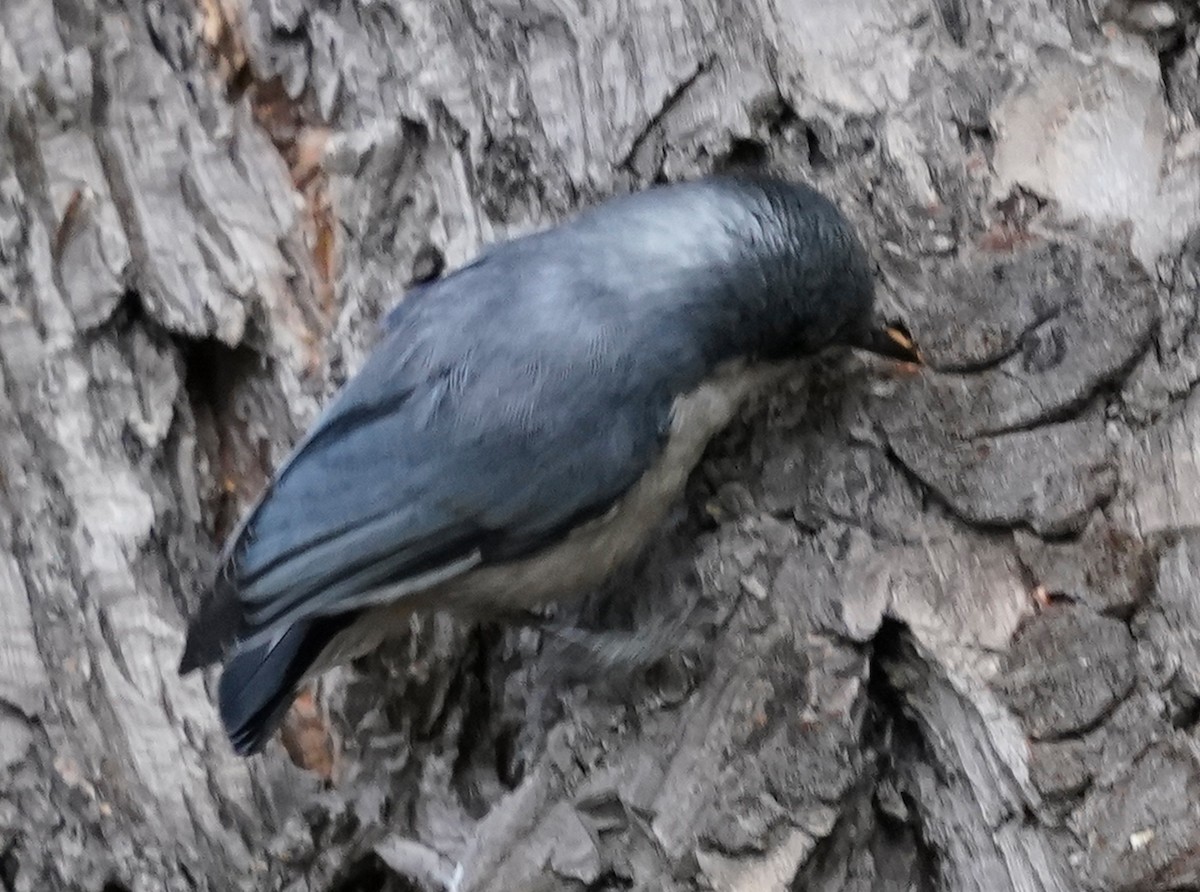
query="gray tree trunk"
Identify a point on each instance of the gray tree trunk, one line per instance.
(932, 632)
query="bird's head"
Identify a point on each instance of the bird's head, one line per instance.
(807, 276)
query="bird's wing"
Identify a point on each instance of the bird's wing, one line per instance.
(449, 449)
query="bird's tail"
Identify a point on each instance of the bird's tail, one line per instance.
(258, 682)
(214, 627)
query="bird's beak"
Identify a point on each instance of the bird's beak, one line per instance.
(891, 341)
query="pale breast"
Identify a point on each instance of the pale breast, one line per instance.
(593, 551)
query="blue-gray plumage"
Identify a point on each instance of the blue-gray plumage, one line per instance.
(525, 421)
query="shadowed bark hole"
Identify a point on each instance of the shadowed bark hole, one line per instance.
(900, 743)
(510, 761)
(893, 732)
(972, 134)
(370, 874)
(609, 882)
(744, 154)
(130, 311)
(428, 264)
(213, 373)
(1185, 712)
(816, 155)
(476, 746)
(10, 866)
(879, 823)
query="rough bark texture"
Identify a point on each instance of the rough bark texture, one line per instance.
(931, 633)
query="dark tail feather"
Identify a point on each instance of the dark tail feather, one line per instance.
(213, 628)
(258, 683)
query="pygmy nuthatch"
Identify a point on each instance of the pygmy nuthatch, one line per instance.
(525, 422)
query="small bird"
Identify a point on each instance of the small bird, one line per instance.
(525, 422)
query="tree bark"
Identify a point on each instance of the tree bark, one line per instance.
(935, 632)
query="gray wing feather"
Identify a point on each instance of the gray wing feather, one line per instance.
(472, 434)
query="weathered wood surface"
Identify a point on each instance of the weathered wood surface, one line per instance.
(939, 632)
